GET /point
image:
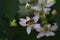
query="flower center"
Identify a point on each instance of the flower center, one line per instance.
(30, 22)
(45, 29)
(42, 5)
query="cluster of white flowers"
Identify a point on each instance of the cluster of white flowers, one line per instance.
(41, 9)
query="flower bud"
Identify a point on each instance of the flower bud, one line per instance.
(54, 12)
(28, 6)
(13, 23)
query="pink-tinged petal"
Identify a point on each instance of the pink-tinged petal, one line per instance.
(35, 26)
(49, 4)
(40, 35)
(46, 9)
(36, 18)
(38, 29)
(50, 34)
(22, 22)
(28, 30)
(41, 1)
(37, 8)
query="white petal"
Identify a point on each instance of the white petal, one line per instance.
(22, 19)
(36, 18)
(37, 8)
(41, 1)
(40, 35)
(28, 30)
(46, 9)
(39, 29)
(49, 4)
(22, 22)
(50, 34)
(36, 26)
(27, 18)
(54, 27)
(49, 25)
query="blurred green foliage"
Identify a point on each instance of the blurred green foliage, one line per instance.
(9, 11)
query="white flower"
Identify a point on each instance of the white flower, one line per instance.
(46, 3)
(50, 33)
(53, 27)
(36, 7)
(50, 3)
(45, 7)
(30, 23)
(47, 30)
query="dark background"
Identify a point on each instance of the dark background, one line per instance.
(9, 11)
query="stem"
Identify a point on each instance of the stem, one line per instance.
(43, 16)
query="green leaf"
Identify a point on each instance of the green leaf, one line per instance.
(11, 8)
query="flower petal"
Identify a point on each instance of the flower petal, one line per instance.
(36, 26)
(41, 1)
(46, 9)
(54, 27)
(50, 34)
(37, 8)
(27, 18)
(36, 18)
(28, 30)
(40, 35)
(22, 22)
(49, 4)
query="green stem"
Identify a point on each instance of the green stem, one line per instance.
(43, 16)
